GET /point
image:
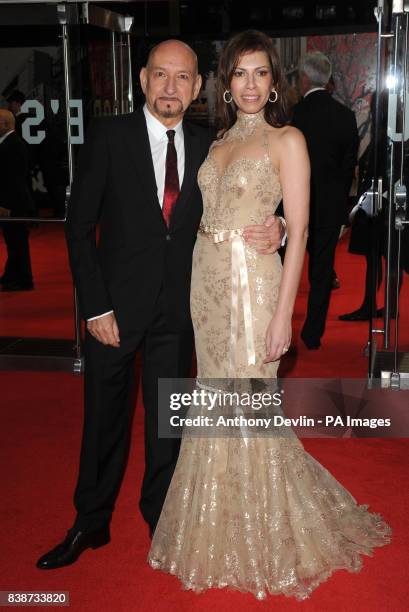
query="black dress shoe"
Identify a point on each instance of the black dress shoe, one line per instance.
(73, 546)
(359, 315)
(311, 343)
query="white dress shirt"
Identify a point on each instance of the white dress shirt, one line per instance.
(158, 141)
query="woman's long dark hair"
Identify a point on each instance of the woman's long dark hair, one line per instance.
(275, 113)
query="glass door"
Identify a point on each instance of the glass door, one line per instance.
(60, 65)
(389, 325)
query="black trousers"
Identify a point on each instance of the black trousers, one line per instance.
(109, 397)
(321, 247)
(18, 264)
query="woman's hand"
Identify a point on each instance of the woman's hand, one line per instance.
(278, 337)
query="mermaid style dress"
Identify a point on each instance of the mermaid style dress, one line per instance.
(257, 514)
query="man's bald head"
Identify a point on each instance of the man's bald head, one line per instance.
(170, 81)
(173, 46)
(7, 121)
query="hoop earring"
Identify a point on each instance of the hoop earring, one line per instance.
(224, 96)
(273, 91)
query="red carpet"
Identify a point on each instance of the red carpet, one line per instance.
(41, 417)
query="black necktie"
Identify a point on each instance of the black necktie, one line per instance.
(172, 190)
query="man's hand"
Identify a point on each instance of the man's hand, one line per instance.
(267, 238)
(4, 212)
(105, 329)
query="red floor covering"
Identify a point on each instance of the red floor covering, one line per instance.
(40, 435)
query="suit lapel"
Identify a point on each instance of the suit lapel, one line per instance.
(192, 162)
(140, 150)
(139, 147)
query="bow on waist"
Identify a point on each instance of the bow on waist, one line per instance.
(239, 280)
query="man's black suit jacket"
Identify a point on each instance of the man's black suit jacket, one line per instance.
(136, 255)
(332, 139)
(14, 177)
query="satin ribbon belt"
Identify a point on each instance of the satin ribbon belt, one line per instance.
(239, 280)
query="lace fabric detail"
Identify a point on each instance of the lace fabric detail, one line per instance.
(260, 514)
(240, 187)
(273, 521)
(246, 125)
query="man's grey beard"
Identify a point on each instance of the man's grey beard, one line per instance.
(168, 114)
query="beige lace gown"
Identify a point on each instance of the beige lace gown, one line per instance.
(257, 514)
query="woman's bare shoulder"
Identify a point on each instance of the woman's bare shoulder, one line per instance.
(291, 135)
(286, 143)
(286, 132)
(288, 139)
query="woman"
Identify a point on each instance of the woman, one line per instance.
(254, 513)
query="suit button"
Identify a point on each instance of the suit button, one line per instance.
(168, 237)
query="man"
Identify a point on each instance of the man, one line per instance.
(330, 87)
(332, 138)
(137, 178)
(15, 201)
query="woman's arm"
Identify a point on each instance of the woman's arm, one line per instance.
(294, 166)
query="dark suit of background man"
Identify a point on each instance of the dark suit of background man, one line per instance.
(332, 138)
(15, 201)
(134, 287)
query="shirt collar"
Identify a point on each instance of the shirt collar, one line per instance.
(314, 89)
(3, 138)
(156, 128)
